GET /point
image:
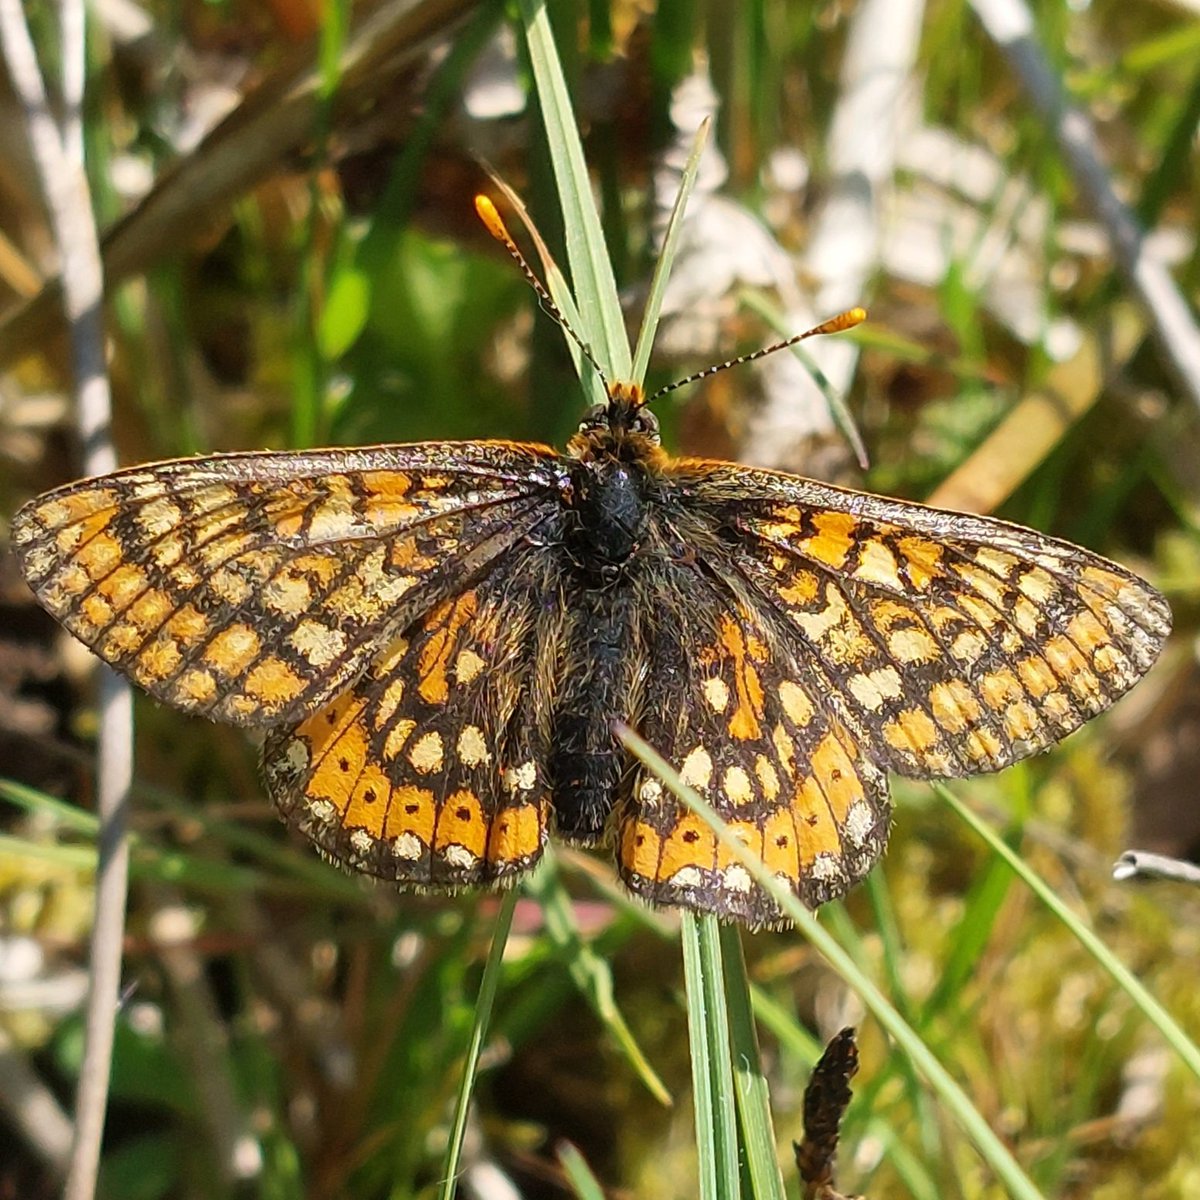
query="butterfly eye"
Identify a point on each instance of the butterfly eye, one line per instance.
(594, 418)
(645, 422)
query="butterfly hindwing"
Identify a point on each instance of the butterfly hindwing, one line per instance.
(431, 770)
(730, 706)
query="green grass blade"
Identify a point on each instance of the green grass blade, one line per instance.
(666, 257)
(29, 799)
(591, 271)
(1154, 1012)
(970, 1120)
(589, 972)
(483, 1012)
(750, 1084)
(583, 1183)
(708, 1041)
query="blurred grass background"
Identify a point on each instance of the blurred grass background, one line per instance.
(295, 260)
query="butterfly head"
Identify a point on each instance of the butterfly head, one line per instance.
(622, 428)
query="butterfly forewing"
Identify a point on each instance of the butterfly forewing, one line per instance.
(953, 644)
(252, 588)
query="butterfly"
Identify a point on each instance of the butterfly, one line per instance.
(439, 639)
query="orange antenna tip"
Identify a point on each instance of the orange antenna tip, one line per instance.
(492, 219)
(842, 322)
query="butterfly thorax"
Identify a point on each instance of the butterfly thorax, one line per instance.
(616, 472)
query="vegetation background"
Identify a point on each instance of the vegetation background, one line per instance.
(293, 259)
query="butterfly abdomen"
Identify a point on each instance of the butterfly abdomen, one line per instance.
(587, 762)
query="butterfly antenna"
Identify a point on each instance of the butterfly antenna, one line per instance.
(494, 224)
(838, 324)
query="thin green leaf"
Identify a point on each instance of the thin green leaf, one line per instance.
(750, 1084)
(666, 257)
(591, 271)
(31, 800)
(584, 1184)
(1154, 1012)
(483, 1013)
(708, 1040)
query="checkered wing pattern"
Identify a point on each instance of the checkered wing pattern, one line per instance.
(741, 715)
(252, 588)
(431, 769)
(949, 644)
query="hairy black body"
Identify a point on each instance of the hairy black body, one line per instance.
(608, 501)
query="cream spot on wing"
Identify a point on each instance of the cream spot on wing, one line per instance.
(697, 769)
(159, 516)
(288, 594)
(1038, 584)
(859, 824)
(318, 643)
(396, 737)
(522, 778)
(912, 646)
(736, 879)
(215, 496)
(297, 755)
(650, 791)
(1000, 562)
(472, 746)
(467, 666)
(737, 786)
(716, 692)
(389, 702)
(39, 560)
(459, 856)
(324, 812)
(826, 866)
(785, 748)
(796, 703)
(873, 689)
(229, 586)
(768, 777)
(877, 564)
(968, 647)
(196, 685)
(817, 624)
(233, 648)
(408, 846)
(426, 753)
(335, 518)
